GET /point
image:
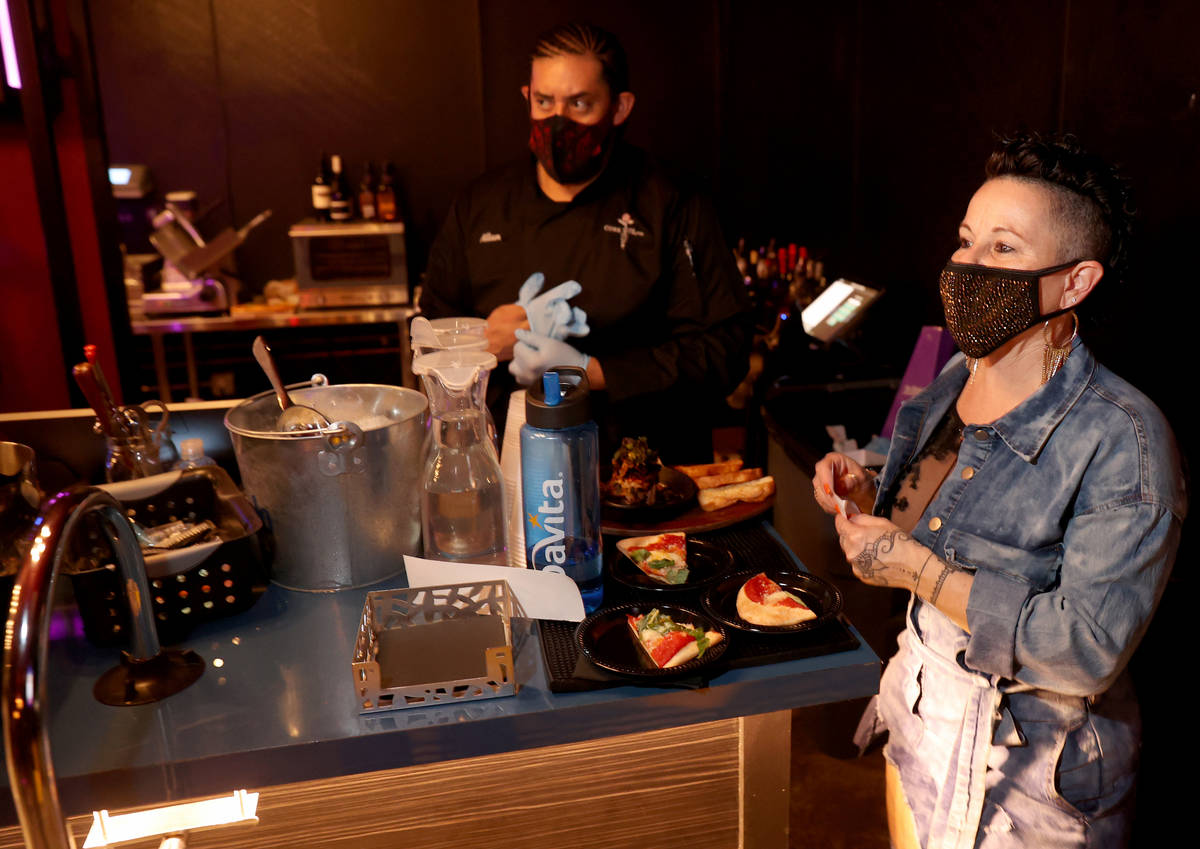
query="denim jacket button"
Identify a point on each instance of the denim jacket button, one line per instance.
(968, 473)
(935, 523)
(981, 435)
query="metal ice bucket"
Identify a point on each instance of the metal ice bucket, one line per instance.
(344, 502)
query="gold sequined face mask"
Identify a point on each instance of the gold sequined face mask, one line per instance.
(987, 306)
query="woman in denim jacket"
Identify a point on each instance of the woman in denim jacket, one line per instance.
(1032, 502)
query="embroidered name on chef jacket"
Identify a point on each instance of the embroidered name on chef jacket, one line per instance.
(625, 230)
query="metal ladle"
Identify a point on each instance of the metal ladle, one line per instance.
(292, 416)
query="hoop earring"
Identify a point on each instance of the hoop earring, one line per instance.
(1053, 356)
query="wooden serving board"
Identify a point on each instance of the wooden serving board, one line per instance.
(693, 520)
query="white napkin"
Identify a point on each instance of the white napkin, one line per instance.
(542, 595)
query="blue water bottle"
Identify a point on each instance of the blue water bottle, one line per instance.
(560, 481)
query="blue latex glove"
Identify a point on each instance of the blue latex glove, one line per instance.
(534, 353)
(549, 313)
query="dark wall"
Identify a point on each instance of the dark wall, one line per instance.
(238, 100)
(859, 129)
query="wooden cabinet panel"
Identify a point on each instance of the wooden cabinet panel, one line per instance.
(709, 786)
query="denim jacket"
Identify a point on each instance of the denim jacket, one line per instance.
(1067, 510)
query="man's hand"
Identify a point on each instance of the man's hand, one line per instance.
(502, 324)
(533, 354)
(549, 313)
(546, 314)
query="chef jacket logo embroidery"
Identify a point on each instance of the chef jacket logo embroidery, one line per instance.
(625, 230)
(489, 237)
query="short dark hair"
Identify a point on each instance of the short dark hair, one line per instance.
(1091, 199)
(580, 39)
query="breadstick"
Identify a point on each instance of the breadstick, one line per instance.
(706, 469)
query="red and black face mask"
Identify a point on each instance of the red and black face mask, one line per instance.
(569, 151)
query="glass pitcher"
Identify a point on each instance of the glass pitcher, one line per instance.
(444, 334)
(462, 497)
(456, 379)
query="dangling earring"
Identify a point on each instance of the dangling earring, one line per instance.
(1053, 356)
(972, 367)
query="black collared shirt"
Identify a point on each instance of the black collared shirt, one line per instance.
(664, 300)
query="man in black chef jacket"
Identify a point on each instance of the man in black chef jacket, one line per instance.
(637, 286)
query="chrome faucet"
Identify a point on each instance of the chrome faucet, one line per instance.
(146, 672)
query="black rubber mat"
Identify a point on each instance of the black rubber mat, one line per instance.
(753, 546)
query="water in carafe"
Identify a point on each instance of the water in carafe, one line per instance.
(462, 507)
(462, 500)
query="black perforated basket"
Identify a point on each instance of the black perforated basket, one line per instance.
(190, 585)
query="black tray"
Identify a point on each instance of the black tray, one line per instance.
(188, 586)
(568, 671)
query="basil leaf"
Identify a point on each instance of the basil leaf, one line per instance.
(638, 555)
(678, 575)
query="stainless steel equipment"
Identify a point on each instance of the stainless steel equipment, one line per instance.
(349, 265)
(343, 501)
(191, 283)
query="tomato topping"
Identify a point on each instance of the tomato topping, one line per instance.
(759, 587)
(667, 647)
(670, 542)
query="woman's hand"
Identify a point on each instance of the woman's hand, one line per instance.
(884, 556)
(879, 552)
(502, 325)
(837, 474)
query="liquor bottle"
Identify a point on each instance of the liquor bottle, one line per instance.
(366, 194)
(798, 295)
(385, 195)
(321, 191)
(339, 198)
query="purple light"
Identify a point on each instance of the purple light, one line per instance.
(8, 47)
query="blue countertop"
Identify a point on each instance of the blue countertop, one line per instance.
(276, 704)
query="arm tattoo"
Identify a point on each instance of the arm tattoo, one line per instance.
(872, 568)
(947, 569)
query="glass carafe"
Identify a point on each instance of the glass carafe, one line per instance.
(455, 380)
(462, 498)
(131, 457)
